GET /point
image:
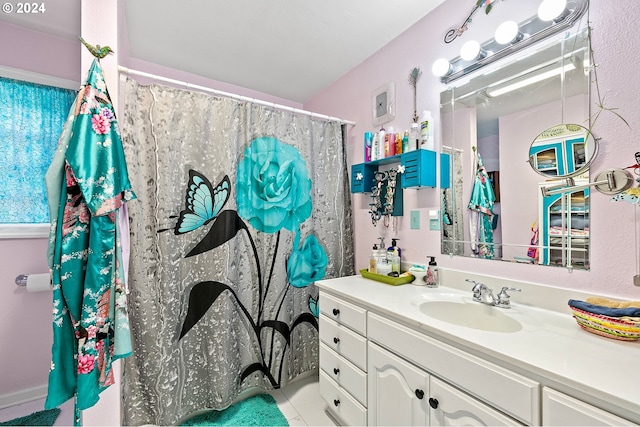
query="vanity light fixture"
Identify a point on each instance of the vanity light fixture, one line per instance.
(552, 10)
(508, 32)
(441, 67)
(558, 15)
(531, 80)
(471, 51)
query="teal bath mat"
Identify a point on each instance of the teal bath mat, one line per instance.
(41, 418)
(260, 410)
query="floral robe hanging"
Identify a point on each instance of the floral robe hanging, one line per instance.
(88, 186)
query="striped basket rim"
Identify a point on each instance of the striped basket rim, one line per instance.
(604, 331)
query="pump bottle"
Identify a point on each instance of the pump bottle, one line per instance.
(432, 279)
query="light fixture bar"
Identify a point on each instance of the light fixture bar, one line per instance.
(534, 30)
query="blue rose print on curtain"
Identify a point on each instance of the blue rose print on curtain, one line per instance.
(274, 189)
(273, 194)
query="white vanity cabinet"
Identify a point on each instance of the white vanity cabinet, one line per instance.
(398, 390)
(558, 409)
(343, 359)
(382, 363)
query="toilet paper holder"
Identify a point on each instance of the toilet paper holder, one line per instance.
(21, 280)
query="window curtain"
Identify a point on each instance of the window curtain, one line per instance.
(240, 210)
(31, 120)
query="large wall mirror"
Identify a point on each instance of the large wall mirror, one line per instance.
(527, 116)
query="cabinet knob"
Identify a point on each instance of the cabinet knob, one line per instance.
(336, 340)
(419, 393)
(433, 403)
(336, 311)
(336, 402)
(336, 371)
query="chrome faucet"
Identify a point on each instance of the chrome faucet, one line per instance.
(483, 294)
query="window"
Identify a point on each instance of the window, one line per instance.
(31, 119)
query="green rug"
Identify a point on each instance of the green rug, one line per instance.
(40, 418)
(260, 410)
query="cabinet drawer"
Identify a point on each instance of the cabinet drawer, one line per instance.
(345, 373)
(341, 403)
(343, 312)
(558, 409)
(344, 341)
(511, 393)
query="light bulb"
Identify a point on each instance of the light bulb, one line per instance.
(551, 9)
(441, 67)
(507, 32)
(470, 50)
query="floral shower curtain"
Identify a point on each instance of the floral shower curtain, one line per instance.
(241, 209)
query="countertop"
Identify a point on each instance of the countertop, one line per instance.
(550, 347)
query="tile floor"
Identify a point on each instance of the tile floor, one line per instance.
(299, 402)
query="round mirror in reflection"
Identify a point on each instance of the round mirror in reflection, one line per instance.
(563, 151)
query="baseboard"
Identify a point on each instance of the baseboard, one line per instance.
(23, 396)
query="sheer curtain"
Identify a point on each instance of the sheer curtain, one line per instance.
(31, 120)
(240, 209)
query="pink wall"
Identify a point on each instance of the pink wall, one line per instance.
(613, 256)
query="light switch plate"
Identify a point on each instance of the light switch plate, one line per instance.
(415, 220)
(434, 220)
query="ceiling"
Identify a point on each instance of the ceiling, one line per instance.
(291, 49)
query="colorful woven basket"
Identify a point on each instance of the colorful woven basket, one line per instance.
(618, 328)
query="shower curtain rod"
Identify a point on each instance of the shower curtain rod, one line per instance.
(232, 95)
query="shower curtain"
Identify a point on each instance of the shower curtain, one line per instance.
(241, 208)
(453, 229)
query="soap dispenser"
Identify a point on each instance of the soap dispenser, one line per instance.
(431, 279)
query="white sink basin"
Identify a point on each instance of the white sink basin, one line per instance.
(472, 315)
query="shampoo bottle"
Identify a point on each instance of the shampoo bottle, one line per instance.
(375, 147)
(426, 131)
(393, 255)
(414, 137)
(381, 139)
(390, 143)
(368, 140)
(405, 141)
(432, 279)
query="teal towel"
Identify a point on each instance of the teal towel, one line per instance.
(605, 311)
(41, 418)
(260, 410)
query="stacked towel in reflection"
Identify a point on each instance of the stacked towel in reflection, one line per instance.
(609, 318)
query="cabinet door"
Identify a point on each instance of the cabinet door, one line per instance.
(451, 407)
(398, 391)
(558, 409)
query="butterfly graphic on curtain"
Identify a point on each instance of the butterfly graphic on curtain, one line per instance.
(203, 202)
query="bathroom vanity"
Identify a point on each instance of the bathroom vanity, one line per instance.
(410, 355)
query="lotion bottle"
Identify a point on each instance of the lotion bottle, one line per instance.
(431, 279)
(426, 131)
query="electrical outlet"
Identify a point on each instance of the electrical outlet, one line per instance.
(415, 220)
